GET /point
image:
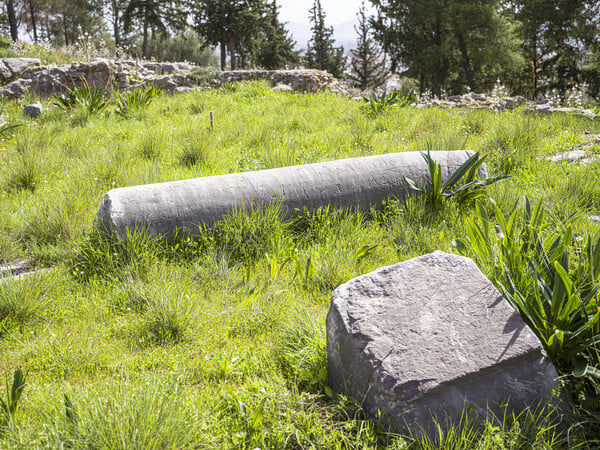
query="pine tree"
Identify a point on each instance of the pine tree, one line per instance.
(276, 47)
(368, 63)
(233, 24)
(152, 14)
(445, 45)
(321, 54)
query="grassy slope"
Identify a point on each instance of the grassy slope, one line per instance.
(180, 338)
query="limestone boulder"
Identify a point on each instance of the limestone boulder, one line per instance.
(429, 337)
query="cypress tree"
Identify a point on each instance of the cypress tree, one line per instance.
(321, 54)
(368, 63)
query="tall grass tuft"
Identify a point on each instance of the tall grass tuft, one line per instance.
(249, 233)
(22, 301)
(135, 100)
(151, 414)
(166, 319)
(301, 351)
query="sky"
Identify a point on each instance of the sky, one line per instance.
(336, 11)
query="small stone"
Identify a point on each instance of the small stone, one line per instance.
(429, 337)
(33, 110)
(570, 156)
(281, 87)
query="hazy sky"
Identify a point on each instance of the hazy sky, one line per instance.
(336, 11)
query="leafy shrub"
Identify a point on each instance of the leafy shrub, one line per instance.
(203, 76)
(8, 407)
(469, 189)
(90, 100)
(135, 99)
(552, 281)
(378, 103)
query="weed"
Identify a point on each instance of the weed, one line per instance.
(88, 100)
(247, 234)
(470, 188)
(22, 301)
(166, 319)
(6, 129)
(135, 99)
(24, 172)
(554, 286)
(8, 407)
(301, 353)
(378, 103)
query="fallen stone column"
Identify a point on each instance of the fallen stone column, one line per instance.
(357, 182)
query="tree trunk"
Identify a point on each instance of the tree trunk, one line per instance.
(223, 55)
(12, 20)
(145, 40)
(437, 77)
(33, 24)
(534, 70)
(65, 30)
(232, 51)
(466, 61)
(116, 33)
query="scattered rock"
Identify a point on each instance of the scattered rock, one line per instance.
(594, 218)
(547, 108)
(477, 101)
(281, 87)
(428, 337)
(14, 268)
(583, 154)
(33, 110)
(306, 80)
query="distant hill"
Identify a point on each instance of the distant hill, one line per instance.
(343, 33)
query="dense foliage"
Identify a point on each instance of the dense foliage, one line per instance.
(534, 47)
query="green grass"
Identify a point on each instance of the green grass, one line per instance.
(219, 342)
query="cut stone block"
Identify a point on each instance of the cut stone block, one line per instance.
(347, 183)
(429, 337)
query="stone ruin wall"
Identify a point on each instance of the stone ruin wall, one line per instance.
(20, 75)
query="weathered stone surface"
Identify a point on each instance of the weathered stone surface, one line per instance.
(579, 156)
(356, 182)
(33, 110)
(11, 68)
(99, 73)
(428, 337)
(283, 87)
(547, 108)
(308, 80)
